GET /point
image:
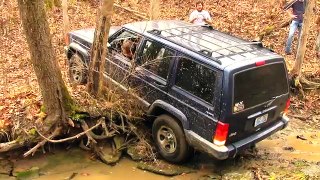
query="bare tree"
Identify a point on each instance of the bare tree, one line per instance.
(308, 16)
(66, 26)
(56, 98)
(318, 38)
(99, 48)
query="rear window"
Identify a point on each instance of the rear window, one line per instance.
(258, 85)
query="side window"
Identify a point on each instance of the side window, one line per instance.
(196, 79)
(125, 44)
(156, 58)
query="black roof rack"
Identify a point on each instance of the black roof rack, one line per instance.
(208, 44)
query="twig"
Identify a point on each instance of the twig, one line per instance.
(93, 136)
(33, 150)
(299, 117)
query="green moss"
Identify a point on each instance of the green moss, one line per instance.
(43, 108)
(32, 132)
(20, 139)
(78, 116)
(29, 174)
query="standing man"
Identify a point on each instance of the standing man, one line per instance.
(296, 10)
(200, 16)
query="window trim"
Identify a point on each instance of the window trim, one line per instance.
(171, 63)
(178, 58)
(233, 85)
(120, 31)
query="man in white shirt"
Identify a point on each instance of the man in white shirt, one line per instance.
(200, 16)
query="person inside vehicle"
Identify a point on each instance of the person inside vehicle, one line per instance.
(128, 48)
(200, 16)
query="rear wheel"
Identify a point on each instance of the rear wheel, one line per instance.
(78, 69)
(170, 139)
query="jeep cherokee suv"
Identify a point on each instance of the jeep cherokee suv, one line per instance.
(202, 88)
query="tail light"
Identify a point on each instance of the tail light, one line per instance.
(66, 39)
(221, 134)
(260, 63)
(286, 109)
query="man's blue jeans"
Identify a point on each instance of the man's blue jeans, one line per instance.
(293, 27)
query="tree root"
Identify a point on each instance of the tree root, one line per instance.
(7, 146)
(310, 85)
(70, 138)
(40, 144)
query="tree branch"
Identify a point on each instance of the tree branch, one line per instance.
(34, 149)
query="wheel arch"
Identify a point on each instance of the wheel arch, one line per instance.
(76, 48)
(160, 107)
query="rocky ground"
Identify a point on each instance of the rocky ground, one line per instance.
(292, 153)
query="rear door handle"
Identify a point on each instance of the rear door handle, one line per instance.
(209, 113)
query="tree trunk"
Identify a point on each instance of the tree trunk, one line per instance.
(99, 49)
(66, 26)
(154, 9)
(303, 38)
(56, 99)
(318, 45)
(318, 37)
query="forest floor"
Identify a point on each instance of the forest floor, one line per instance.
(288, 154)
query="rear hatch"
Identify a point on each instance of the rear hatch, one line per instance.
(256, 97)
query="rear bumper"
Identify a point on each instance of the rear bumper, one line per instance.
(223, 152)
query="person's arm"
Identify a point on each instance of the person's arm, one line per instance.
(290, 13)
(192, 17)
(207, 18)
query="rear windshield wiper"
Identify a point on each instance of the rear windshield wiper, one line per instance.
(273, 99)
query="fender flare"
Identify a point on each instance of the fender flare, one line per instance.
(76, 48)
(171, 110)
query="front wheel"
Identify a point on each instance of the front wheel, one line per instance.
(170, 139)
(78, 69)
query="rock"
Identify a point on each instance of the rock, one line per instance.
(118, 142)
(312, 172)
(111, 154)
(289, 148)
(210, 176)
(134, 153)
(164, 168)
(29, 174)
(6, 166)
(239, 175)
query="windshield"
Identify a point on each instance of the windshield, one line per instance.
(258, 85)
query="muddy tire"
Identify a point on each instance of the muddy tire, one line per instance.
(170, 139)
(78, 70)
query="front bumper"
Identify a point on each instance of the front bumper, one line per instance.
(223, 152)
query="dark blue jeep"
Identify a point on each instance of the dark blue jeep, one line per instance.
(202, 88)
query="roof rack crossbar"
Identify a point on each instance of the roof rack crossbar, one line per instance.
(187, 26)
(182, 34)
(174, 35)
(239, 44)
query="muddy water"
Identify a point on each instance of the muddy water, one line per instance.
(304, 146)
(77, 165)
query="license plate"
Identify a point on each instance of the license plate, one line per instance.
(261, 119)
